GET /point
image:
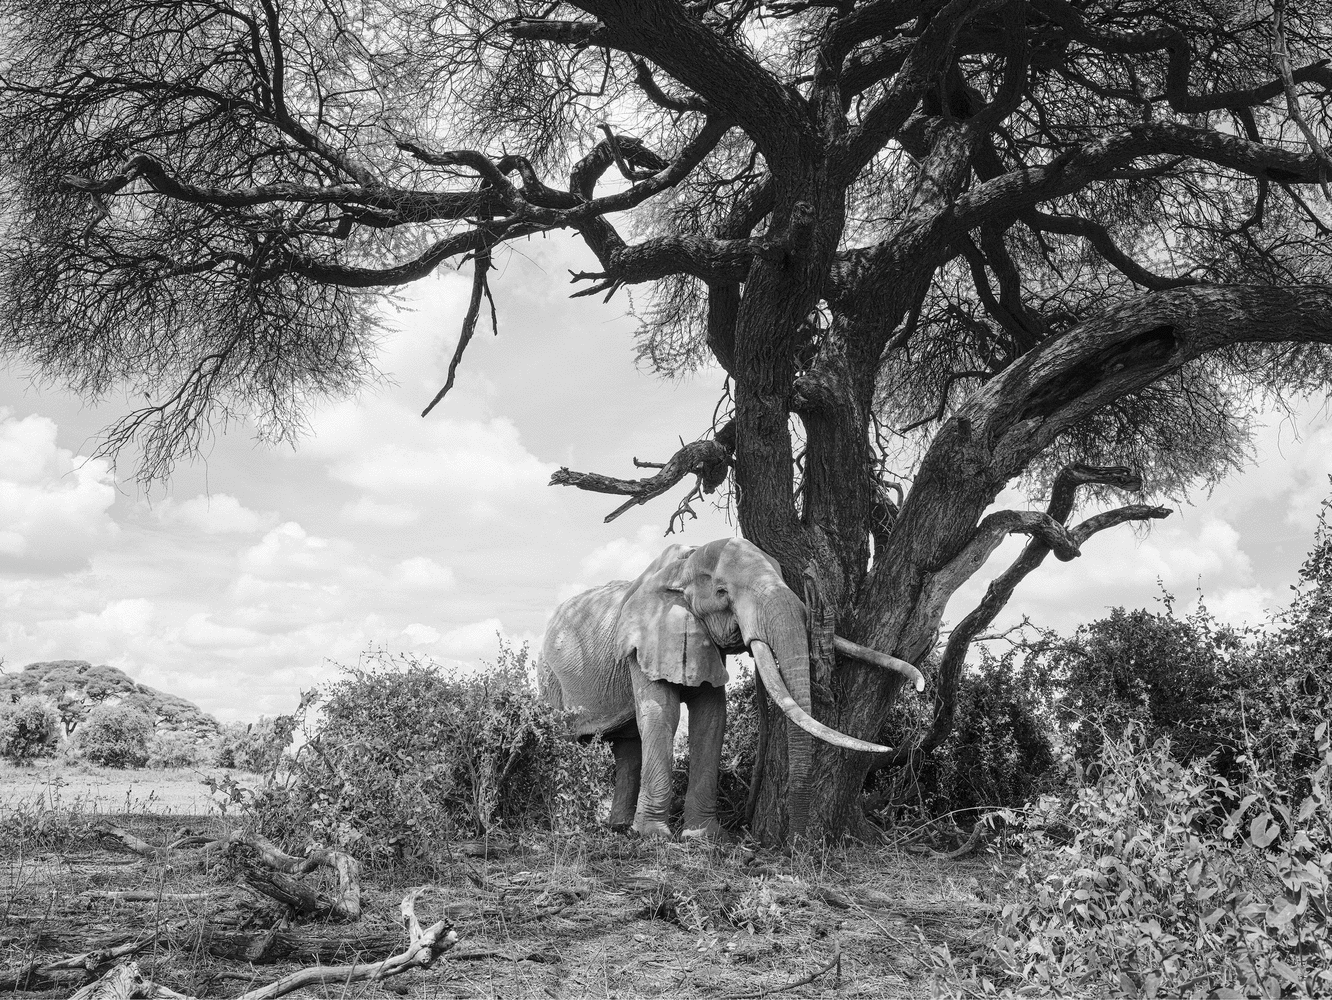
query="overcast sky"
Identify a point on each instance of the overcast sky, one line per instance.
(256, 570)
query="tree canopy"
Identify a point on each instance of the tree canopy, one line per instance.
(936, 246)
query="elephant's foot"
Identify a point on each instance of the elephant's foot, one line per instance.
(709, 830)
(652, 829)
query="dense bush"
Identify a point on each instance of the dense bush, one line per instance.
(1002, 748)
(404, 754)
(1176, 883)
(176, 748)
(115, 736)
(1182, 677)
(29, 728)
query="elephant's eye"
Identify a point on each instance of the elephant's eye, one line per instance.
(721, 591)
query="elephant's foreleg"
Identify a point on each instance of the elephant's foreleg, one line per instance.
(657, 705)
(628, 753)
(707, 729)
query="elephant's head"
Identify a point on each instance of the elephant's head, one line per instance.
(694, 605)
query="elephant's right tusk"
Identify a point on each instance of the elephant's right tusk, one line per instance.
(781, 694)
(858, 652)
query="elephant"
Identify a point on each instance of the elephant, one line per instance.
(624, 656)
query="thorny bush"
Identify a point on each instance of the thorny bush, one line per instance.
(1177, 883)
(404, 755)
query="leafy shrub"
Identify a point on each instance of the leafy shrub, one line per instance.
(1167, 889)
(174, 748)
(251, 746)
(405, 754)
(1239, 696)
(1002, 747)
(115, 736)
(29, 728)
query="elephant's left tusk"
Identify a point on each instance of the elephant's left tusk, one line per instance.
(781, 694)
(858, 652)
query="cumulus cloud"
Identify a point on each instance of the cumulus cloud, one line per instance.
(388, 515)
(423, 573)
(218, 514)
(54, 506)
(397, 461)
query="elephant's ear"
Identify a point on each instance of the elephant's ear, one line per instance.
(657, 627)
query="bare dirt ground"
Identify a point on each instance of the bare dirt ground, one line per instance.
(540, 915)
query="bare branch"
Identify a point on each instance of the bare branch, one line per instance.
(480, 287)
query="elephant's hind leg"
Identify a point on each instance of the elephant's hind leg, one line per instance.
(707, 729)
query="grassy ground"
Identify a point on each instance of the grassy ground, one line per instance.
(541, 915)
(87, 788)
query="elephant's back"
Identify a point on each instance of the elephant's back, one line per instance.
(577, 669)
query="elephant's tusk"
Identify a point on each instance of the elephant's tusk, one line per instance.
(858, 652)
(781, 694)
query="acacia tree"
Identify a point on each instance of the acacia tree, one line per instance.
(937, 246)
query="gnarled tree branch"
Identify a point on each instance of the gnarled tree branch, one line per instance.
(997, 594)
(709, 459)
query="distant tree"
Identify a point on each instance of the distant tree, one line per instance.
(29, 728)
(115, 736)
(950, 243)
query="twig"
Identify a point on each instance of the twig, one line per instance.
(835, 961)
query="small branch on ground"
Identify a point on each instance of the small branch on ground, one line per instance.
(833, 963)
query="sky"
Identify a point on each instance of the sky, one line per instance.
(257, 571)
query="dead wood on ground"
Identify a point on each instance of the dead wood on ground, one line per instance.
(425, 945)
(265, 868)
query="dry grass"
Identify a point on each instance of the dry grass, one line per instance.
(90, 788)
(543, 916)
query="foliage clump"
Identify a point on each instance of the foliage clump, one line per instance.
(1176, 882)
(115, 736)
(1001, 751)
(29, 729)
(404, 755)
